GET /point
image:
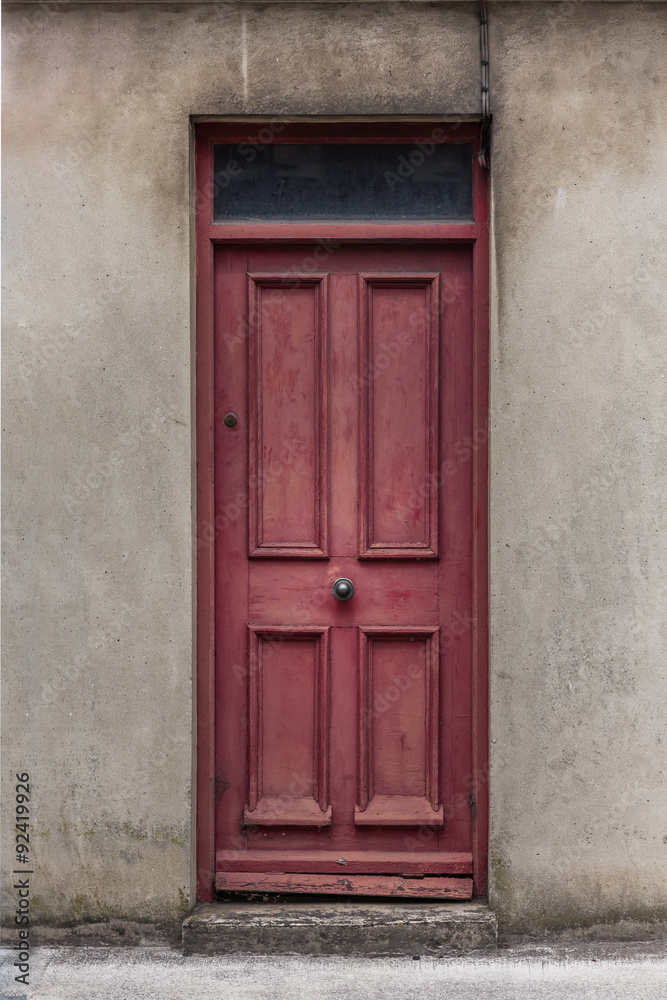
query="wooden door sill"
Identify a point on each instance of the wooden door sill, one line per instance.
(406, 887)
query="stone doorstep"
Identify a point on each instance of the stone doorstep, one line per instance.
(340, 928)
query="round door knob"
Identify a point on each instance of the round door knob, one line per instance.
(343, 589)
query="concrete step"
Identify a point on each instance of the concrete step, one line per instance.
(340, 928)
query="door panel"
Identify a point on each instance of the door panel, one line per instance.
(399, 389)
(398, 728)
(288, 731)
(343, 730)
(288, 415)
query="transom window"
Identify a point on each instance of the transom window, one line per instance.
(342, 182)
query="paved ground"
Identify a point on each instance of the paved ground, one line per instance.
(593, 972)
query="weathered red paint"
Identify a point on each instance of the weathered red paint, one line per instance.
(346, 885)
(352, 863)
(349, 464)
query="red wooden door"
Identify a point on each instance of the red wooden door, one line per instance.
(343, 728)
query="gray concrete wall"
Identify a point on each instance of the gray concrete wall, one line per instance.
(578, 460)
(98, 449)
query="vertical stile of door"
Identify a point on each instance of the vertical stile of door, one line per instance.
(480, 559)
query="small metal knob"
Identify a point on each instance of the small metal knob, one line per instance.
(343, 589)
(230, 420)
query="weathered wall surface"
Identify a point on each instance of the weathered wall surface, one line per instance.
(98, 453)
(579, 664)
(98, 459)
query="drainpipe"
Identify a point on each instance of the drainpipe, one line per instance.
(485, 143)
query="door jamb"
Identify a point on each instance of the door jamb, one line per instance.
(208, 234)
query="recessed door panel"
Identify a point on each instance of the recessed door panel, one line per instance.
(288, 727)
(398, 728)
(288, 414)
(399, 383)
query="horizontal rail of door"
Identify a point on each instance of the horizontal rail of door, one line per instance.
(359, 862)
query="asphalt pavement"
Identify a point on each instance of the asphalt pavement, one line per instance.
(528, 972)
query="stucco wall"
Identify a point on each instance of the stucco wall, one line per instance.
(578, 459)
(98, 448)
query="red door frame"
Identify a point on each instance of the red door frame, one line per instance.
(208, 234)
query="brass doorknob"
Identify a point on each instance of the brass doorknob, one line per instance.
(343, 589)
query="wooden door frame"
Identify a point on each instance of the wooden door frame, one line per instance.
(208, 234)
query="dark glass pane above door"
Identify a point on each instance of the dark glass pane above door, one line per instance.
(347, 182)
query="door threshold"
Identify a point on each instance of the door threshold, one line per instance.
(341, 927)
